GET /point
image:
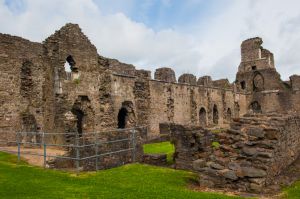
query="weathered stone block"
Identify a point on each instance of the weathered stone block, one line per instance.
(253, 172)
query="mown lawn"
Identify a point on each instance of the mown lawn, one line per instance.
(129, 181)
(292, 192)
(160, 148)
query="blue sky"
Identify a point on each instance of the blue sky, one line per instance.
(202, 37)
(162, 14)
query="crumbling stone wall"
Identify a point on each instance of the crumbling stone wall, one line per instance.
(35, 82)
(165, 74)
(246, 157)
(188, 79)
(22, 80)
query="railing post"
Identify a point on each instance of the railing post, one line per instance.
(19, 147)
(96, 151)
(45, 149)
(77, 152)
(133, 145)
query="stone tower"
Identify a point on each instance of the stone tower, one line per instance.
(257, 69)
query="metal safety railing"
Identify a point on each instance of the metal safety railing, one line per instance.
(91, 140)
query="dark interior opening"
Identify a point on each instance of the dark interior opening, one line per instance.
(254, 67)
(122, 118)
(72, 63)
(215, 115)
(256, 107)
(243, 85)
(79, 115)
(202, 117)
(229, 114)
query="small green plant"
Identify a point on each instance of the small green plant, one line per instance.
(217, 130)
(215, 145)
(76, 81)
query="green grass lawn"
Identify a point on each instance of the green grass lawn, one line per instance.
(160, 148)
(129, 181)
(292, 192)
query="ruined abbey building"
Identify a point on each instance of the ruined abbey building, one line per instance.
(38, 95)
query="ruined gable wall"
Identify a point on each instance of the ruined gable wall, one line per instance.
(21, 89)
(91, 82)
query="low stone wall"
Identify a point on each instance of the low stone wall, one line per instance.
(246, 157)
(88, 148)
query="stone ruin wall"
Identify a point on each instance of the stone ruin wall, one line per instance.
(21, 89)
(169, 101)
(39, 95)
(247, 157)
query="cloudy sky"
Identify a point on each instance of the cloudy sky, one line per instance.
(192, 36)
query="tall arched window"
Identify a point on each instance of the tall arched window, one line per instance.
(202, 117)
(228, 115)
(71, 69)
(122, 117)
(215, 115)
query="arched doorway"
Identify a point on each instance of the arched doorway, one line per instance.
(79, 116)
(126, 116)
(202, 117)
(228, 115)
(215, 115)
(83, 111)
(122, 118)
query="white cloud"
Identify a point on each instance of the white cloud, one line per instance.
(211, 48)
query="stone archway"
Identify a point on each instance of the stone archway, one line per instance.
(202, 117)
(215, 115)
(126, 115)
(84, 115)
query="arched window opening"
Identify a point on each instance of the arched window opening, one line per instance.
(228, 115)
(84, 113)
(79, 116)
(122, 118)
(215, 115)
(255, 107)
(202, 117)
(67, 67)
(258, 82)
(71, 69)
(243, 85)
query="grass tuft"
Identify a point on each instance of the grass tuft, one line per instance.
(161, 148)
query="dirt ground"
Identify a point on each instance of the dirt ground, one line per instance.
(37, 160)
